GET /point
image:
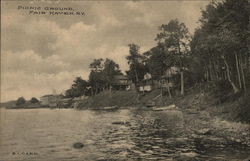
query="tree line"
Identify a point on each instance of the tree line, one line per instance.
(217, 52)
(100, 78)
(221, 45)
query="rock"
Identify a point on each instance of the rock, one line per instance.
(244, 133)
(155, 147)
(189, 154)
(237, 140)
(78, 145)
(149, 151)
(204, 132)
(89, 142)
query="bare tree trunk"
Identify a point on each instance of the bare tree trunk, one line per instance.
(218, 69)
(161, 92)
(110, 91)
(206, 74)
(136, 76)
(238, 71)
(236, 90)
(182, 76)
(225, 74)
(169, 92)
(209, 78)
(243, 75)
(215, 70)
(210, 69)
(248, 63)
(248, 68)
(182, 82)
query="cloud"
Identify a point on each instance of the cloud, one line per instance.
(41, 53)
(19, 83)
(30, 62)
(121, 59)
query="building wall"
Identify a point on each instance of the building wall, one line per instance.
(44, 100)
(49, 101)
(145, 88)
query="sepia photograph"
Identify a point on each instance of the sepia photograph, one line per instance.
(125, 80)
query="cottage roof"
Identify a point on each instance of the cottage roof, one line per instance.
(48, 95)
(51, 95)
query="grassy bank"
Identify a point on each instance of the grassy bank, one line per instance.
(217, 100)
(103, 99)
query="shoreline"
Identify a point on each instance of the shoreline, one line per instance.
(200, 123)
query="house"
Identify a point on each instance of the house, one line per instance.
(171, 71)
(147, 84)
(121, 82)
(49, 100)
(167, 79)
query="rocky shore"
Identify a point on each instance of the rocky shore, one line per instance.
(207, 117)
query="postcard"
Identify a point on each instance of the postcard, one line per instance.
(118, 80)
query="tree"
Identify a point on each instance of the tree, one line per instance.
(174, 39)
(157, 62)
(34, 100)
(96, 65)
(20, 101)
(78, 88)
(221, 43)
(110, 70)
(101, 74)
(69, 93)
(135, 60)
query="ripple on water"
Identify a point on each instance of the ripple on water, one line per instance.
(148, 136)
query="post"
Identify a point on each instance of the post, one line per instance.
(110, 91)
(169, 92)
(182, 83)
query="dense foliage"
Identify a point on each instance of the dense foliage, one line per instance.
(78, 88)
(100, 77)
(221, 44)
(218, 52)
(136, 62)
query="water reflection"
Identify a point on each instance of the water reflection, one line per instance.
(117, 135)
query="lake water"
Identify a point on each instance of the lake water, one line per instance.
(49, 134)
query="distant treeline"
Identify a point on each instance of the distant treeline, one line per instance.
(217, 52)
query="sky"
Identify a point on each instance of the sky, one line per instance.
(42, 53)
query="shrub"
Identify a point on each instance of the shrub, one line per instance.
(34, 100)
(20, 101)
(222, 90)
